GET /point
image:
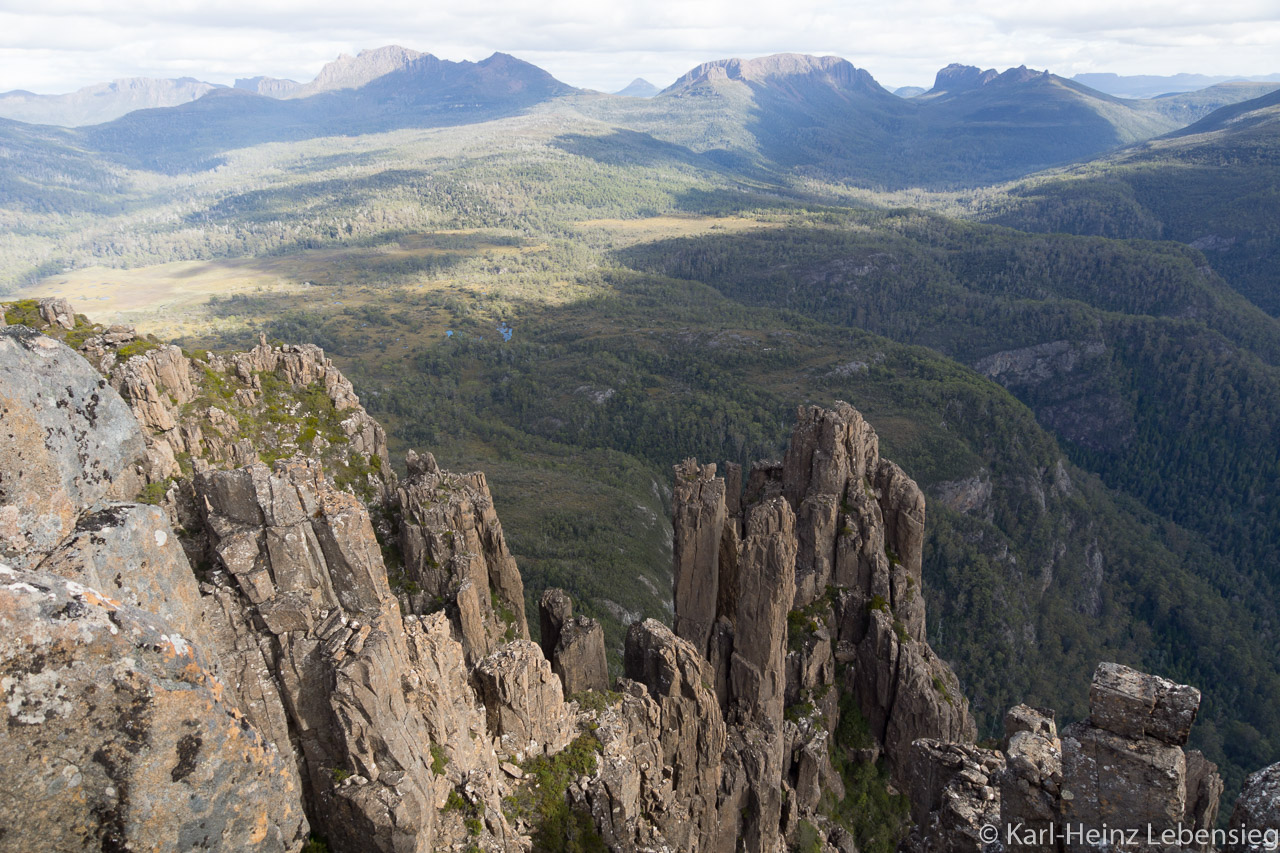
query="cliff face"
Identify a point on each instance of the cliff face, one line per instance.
(296, 644)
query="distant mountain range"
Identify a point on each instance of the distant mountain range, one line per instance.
(101, 102)
(106, 102)
(787, 111)
(824, 114)
(1151, 86)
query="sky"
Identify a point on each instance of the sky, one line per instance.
(60, 45)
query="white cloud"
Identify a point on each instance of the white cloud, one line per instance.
(70, 43)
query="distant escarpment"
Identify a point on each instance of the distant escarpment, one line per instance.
(228, 625)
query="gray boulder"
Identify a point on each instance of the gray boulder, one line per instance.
(67, 440)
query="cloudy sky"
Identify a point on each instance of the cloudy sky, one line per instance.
(60, 45)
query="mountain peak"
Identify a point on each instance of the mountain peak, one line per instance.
(834, 71)
(957, 78)
(962, 78)
(638, 88)
(352, 72)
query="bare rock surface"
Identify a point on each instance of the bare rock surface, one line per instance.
(68, 441)
(579, 656)
(1127, 702)
(827, 544)
(555, 609)
(130, 553)
(524, 701)
(450, 535)
(954, 794)
(356, 682)
(1257, 811)
(659, 774)
(119, 737)
(1031, 783)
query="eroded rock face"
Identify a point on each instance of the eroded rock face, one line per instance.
(450, 536)
(855, 540)
(698, 521)
(662, 744)
(68, 441)
(357, 683)
(579, 656)
(1258, 810)
(827, 545)
(954, 793)
(1125, 766)
(1031, 784)
(115, 719)
(1134, 704)
(58, 312)
(296, 677)
(524, 701)
(555, 609)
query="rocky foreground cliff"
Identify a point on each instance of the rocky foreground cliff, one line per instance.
(226, 624)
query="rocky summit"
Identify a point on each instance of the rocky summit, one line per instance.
(227, 624)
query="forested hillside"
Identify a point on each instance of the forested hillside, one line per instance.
(1214, 185)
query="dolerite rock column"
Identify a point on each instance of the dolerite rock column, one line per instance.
(455, 552)
(663, 742)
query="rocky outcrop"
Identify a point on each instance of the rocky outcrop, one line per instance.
(857, 542)
(300, 558)
(68, 442)
(579, 657)
(1123, 769)
(817, 566)
(524, 701)
(698, 522)
(574, 645)
(455, 555)
(660, 764)
(954, 793)
(1031, 784)
(555, 609)
(234, 410)
(1125, 765)
(1256, 816)
(119, 737)
(58, 312)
